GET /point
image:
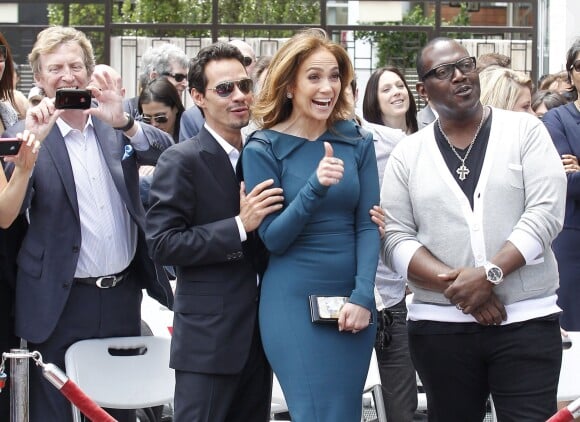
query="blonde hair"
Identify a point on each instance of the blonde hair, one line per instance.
(272, 106)
(49, 39)
(500, 87)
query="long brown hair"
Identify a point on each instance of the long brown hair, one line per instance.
(272, 105)
(7, 80)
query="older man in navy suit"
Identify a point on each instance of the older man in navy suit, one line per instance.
(203, 223)
(83, 261)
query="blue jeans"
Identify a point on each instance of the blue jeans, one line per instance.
(398, 377)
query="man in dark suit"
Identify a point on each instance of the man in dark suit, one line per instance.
(202, 222)
(83, 260)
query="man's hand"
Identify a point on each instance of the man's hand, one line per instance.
(260, 202)
(108, 91)
(491, 312)
(470, 289)
(41, 118)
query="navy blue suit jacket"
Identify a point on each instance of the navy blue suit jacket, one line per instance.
(563, 123)
(48, 258)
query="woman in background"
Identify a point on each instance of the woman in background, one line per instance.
(322, 242)
(159, 105)
(544, 100)
(388, 101)
(563, 124)
(506, 89)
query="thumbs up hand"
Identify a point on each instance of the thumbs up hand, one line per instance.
(330, 169)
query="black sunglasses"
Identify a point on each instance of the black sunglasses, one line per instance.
(248, 61)
(158, 118)
(179, 77)
(446, 70)
(225, 89)
(2, 50)
(576, 66)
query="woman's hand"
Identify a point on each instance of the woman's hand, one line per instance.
(378, 217)
(353, 318)
(570, 163)
(28, 152)
(330, 169)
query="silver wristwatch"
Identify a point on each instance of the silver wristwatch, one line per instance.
(493, 273)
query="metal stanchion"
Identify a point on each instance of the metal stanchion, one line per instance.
(19, 385)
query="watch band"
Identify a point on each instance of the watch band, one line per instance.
(129, 124)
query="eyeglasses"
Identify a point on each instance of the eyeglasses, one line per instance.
(179, 77)
(225, 89)
(446, 70)
(248, 61)
(576, 66)
(158, 118)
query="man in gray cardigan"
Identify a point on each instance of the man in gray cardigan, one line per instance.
(473, 204)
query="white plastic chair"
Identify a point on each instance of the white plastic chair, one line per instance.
(373, 393)
(122, 372)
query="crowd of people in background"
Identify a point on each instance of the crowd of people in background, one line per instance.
(468, 204)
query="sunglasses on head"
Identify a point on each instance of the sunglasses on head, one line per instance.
(248, 61)
(179, 77)
(447, 70)
(225, 89)
(158, 118)
(576, 66)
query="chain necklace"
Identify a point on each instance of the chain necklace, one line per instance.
(462, 170)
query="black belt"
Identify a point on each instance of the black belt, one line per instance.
(104, 282)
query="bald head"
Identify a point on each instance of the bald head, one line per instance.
(101, 72)
(247, 51)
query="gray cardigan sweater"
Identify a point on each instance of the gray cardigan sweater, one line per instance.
(519, 197)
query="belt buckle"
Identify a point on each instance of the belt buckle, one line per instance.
(106, 282)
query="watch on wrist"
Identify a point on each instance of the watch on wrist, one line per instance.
(493, 273)
(129, 125)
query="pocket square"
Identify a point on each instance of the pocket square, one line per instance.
(128, 152)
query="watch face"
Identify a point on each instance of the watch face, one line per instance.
(494, 274)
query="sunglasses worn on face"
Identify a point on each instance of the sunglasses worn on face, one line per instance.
(576, 66)
(446, 70)
(2, 51)
(247, 61)
(179, 77)
(158, 118)
(225, 89)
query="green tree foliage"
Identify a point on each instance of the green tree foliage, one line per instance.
(398, 48)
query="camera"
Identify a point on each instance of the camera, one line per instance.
(9, 146)
(70, 98)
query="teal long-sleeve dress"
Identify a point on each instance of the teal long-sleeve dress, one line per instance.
(322, 242)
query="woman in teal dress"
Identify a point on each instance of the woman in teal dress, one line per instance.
(323, 241)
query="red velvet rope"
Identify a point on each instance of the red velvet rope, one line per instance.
(88, 407)
(563, 415)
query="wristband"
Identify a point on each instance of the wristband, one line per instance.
(129, 124)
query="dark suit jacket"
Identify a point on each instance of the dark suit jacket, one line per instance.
(563, 123)
(191, 224)
(48, 258)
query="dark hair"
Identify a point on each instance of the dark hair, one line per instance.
(372, 110)
(217, 51)
(570, 58)
(7, 81)
(550, 99)
(162, 91)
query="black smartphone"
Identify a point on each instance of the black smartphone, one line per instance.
(71, 98)
(9, 146)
